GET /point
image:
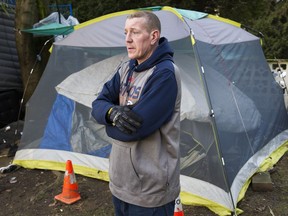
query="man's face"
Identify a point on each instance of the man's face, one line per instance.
(139, 42)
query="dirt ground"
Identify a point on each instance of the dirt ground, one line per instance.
(31, 192)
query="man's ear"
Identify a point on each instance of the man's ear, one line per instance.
(154, 36)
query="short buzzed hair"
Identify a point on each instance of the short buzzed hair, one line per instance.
(152, 21)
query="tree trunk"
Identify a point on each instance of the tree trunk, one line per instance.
(28, 46)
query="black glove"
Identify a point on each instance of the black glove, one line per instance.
(124, 119)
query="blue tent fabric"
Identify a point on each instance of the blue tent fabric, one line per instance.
(102, 152)
(58, 130)
(193, 15)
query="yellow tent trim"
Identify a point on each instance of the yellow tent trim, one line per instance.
(191, 199)
(224, 20)
(268, 163)
(120, 13)
(98, 19)
(274, 157)
(60, 166)
(193, 40)
(243, 190)
(173, 10)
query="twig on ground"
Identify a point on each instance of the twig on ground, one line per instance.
(271, 212)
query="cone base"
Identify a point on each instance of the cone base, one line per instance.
(178, 214)
(69, 201)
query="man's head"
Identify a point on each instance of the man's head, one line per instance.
(142, 31)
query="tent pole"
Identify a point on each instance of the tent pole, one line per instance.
(212, 115)
(59, 18)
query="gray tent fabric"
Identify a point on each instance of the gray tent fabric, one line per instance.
(233, 118)
(86, 84)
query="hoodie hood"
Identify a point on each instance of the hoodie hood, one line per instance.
(162, 52)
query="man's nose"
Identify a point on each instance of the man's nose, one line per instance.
(128, 37)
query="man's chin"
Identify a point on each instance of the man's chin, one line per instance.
(131, 56)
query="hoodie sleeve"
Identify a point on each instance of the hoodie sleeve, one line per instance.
(106, 99)
(155, 106)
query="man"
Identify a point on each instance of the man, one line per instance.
(140, 107)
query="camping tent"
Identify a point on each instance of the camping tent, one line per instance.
(233, 118)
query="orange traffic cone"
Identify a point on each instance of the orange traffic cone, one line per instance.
(69, 193)
(178, 210)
